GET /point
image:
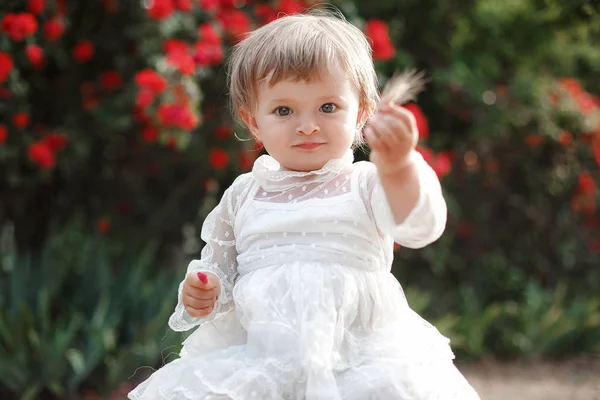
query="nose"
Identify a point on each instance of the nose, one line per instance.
(307, 127)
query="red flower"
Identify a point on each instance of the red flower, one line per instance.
(83, 51)
(235, 22)
(35, 54)
(208, 53)
(144, 98)
(3, 133)
(265, 13)
(427, 154)
(422, 125)
(6, 65)
(378, 32)
(41, 154)
(210, 6)
(19, 26)
(151, 80)
(585, 183)
(587, 103)
(223, 131)
(572, 86)
(149, 134)
(53, 29)
(5, 94)
(175, 46)
(218, 158)
(21, 120)
(176, 115)
(56, 141)
(208, 33)
(442, 164)
(290, 6)
(111, 80)
(184, 5)
(37, 6)
(161, 9)
(103, 225)
(184, 62)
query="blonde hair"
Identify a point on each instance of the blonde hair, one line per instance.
(301, 47)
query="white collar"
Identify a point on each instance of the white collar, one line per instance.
(271, 177)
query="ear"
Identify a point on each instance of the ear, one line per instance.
(249, 121)
(364, 113)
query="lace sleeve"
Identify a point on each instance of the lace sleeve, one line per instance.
(218, 256)
(427, 220)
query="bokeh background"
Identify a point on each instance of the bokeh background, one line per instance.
(116, 140)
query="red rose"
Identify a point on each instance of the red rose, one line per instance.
(149, 134)
(208, 33)
(111, 80)
(41, 154)
(209, 5)
(3, 133)
(288, 7)
(19, 26)
(218, 158)
(144, 98)
(586, 183)
(21, 120)
(161, 9)
(83, 51)
(184, 62)
(6, 65)
(35, 54)
(265, 13)
(37, 6)
(571, 85)
(151, 80)
(208, 53)
(184, 5)
(176, 115)
(175, 46)
(442, 164)
(56, 141)
(427, 154)
(223, 131)
(378, 32)
(103, 225)
(422, 125)
(53, 29)
(235, 22)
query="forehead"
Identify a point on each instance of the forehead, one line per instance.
(324, 83)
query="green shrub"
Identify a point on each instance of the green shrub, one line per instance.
(82, 315)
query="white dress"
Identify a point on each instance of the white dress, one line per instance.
(309, 309)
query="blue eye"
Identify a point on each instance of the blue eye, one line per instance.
(283, 111)
(328, 108)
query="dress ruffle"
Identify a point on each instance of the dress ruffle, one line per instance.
(322, 332)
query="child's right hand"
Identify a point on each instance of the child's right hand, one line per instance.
(200, 292)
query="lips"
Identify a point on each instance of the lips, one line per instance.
(309, 145)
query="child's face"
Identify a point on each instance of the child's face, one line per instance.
(303, 124)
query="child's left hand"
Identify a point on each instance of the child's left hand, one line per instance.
(392, 135)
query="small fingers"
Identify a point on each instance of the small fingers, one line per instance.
(388, 132)
(407, 117)
(201, 312)
(193, 279)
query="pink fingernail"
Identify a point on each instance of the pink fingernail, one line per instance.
(203, 278)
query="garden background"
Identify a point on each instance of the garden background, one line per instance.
(116, 140)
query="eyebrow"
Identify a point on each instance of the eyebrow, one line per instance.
(322, 98)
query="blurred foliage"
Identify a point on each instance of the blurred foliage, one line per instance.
(84, 315)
